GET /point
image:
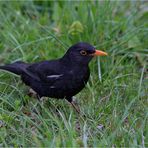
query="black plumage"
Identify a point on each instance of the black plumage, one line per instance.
(60, 78)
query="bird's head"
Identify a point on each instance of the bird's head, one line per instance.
(81, 53)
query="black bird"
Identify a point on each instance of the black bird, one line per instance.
(60, 78)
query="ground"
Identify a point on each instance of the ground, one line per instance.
(115, 100)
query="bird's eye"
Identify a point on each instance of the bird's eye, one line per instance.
(83, 52)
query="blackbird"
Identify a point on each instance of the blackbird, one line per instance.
(61, 78)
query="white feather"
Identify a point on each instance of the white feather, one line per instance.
(52, 87)
(55, 76)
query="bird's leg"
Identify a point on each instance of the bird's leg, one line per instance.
(71, 101)
(74, 106)
(31, 93)
(38, 97)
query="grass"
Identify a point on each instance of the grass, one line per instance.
(115, 98)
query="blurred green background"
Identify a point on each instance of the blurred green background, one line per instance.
(115, 98)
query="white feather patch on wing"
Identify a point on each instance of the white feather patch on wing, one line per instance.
(52, 86)
(55, 76)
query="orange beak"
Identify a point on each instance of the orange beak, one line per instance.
(100, 53)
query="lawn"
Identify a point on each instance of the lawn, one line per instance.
(115, 100)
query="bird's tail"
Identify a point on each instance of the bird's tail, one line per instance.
(17, 67)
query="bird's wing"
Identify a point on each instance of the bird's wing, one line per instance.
(44, 71)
